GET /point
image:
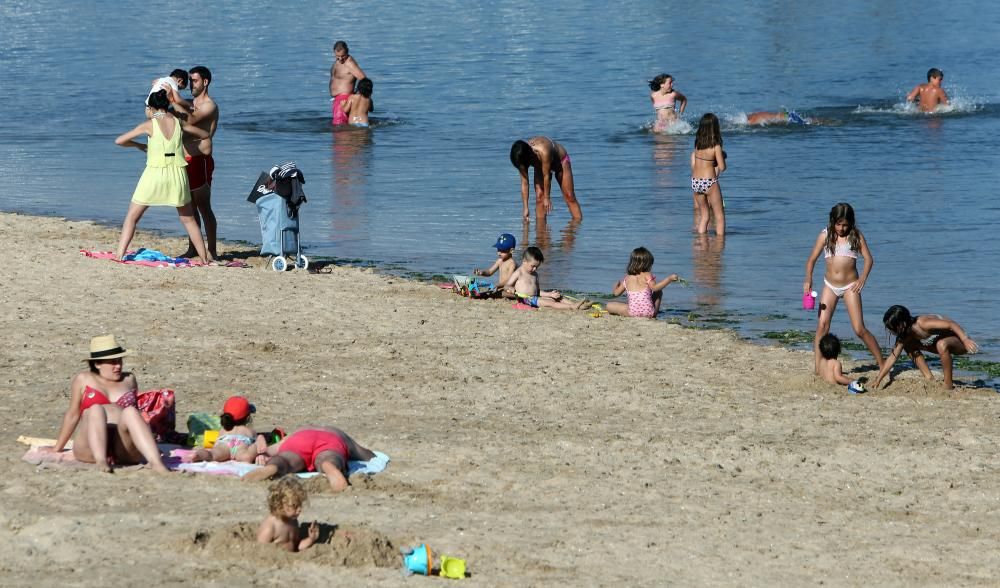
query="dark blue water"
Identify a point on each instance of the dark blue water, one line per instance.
(430, 186)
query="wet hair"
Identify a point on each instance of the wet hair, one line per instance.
(842, 211)
(829, 346)
(708, 135)
(365, 87)
(228, 421)
(158, 100)
(898, 320)
(657, 82)
(521, 154)
(533, 254)
(641, 261)
(934, 73)
(287, 491)
(341, 45)
(202, 71)
(181, 74)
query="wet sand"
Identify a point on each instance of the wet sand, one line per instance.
(544, 447)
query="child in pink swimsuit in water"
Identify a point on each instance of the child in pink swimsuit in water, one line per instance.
(640, 285)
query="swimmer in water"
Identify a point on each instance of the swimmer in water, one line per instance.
(668, 103)
(929, 95)
(784, 117)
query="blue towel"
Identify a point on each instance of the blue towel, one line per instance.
(144, 254)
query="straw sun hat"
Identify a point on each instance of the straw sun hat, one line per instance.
(105, 347)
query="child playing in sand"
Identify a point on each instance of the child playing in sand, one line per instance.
(707, 163)
(931, 94)
(926, 332)
(524, 283)
(281, 527)
(237, 441)
(505, 263)
(359, 105)
(840, 242)
(640, 285)
(830, 368)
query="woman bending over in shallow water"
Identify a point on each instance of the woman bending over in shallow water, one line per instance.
(547, 158)
(103, 404)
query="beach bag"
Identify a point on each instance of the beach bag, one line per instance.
(158, 410)
(198, 423)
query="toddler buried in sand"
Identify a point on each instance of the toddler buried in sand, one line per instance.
(281, 527)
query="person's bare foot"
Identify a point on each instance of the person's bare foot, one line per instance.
(261, 474)
(583, 304)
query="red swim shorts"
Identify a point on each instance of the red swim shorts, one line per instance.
(339, 116)
(309, 443)
(199, 170)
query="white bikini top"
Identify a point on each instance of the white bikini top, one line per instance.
(839, 250)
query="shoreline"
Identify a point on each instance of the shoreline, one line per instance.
(543, 447)
(983, 373)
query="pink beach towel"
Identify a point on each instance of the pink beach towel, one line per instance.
(111, 255)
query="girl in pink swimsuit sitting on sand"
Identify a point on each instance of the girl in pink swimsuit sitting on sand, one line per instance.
(640, 285)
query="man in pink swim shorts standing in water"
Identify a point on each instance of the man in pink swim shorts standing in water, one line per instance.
(344, 74)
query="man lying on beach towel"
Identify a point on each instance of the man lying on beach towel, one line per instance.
(315, 449)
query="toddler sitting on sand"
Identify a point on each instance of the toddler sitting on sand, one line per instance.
(505, 263)
(281, 527)
(830, 367)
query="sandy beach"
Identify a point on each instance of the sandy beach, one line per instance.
(544, 447)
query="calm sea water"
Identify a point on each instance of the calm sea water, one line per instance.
(430, 186)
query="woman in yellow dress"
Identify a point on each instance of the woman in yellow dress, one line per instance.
(164, 182)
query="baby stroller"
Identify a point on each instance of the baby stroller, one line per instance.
(278, 195)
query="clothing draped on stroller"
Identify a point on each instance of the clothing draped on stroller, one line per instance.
(278, 195)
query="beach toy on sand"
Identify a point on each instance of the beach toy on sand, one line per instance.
(417, 560)
(522, 306)
(210, 438)
(596, 311)
(856, 387)
(809, 300)
(452, 567)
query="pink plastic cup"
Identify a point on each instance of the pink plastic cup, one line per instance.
(809, 300)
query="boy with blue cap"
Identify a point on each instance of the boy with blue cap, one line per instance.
(505, 259)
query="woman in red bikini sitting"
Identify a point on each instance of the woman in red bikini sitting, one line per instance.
(103, 404)
(313, 449)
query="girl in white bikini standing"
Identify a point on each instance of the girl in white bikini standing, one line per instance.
(840, 244)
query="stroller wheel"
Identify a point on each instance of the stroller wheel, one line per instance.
(302, 262)
(279, 264)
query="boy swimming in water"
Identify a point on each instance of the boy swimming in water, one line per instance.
(524, 283)
(931, 94)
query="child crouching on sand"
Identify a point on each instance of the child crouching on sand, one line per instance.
(281, 527)
(524, 283)
(926, 332)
